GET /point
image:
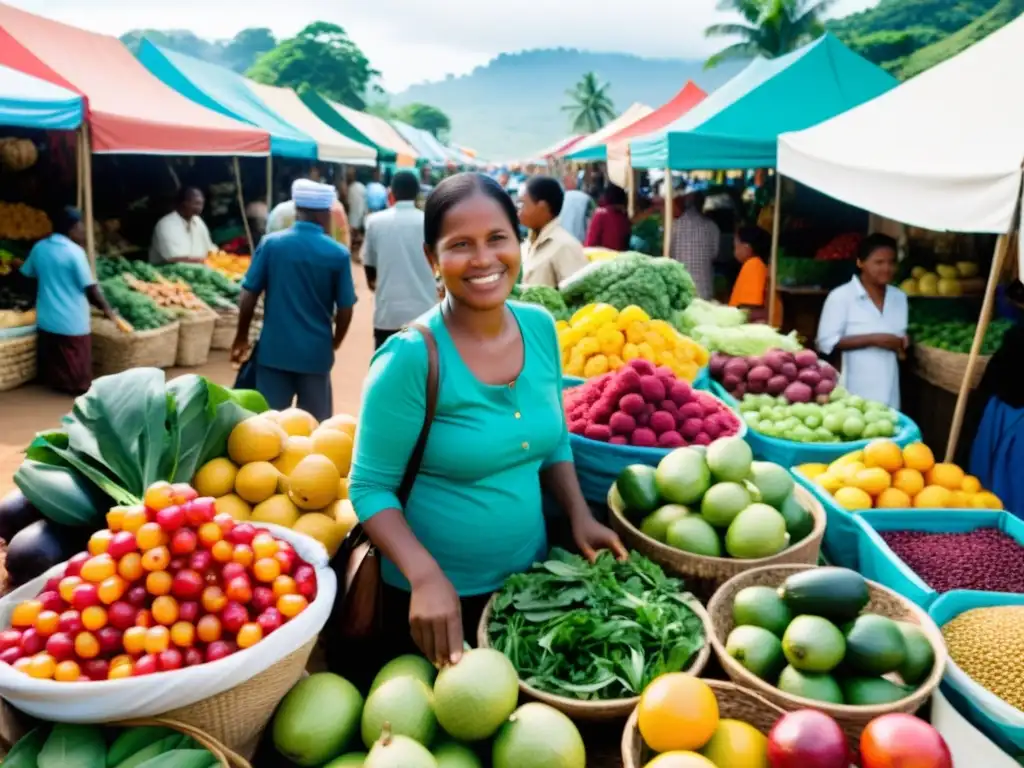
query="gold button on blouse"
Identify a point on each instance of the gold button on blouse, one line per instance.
(525, 446)
(519, 415)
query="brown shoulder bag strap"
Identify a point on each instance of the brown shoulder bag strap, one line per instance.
(433, 380)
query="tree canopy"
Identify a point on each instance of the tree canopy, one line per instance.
(426, 118)
(589, 106)
(770, 28)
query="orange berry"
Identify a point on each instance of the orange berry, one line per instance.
(86, 645)
(134, 640)
(124, 658)
(115, 518)
(98, 568)
(42, 666)
(121, 671)
(94, 617)
(210, 534)
(264, 545)
(150, 536)
(26, 613)
(284, 585)
(222, 550)
(213, 599)
(67, 672)
(112, 589)
(156, 559)
(165, 610)
(158, 639)
(208, 628)
(249, 634)
(291, 606)
(134, 518)
(22, 664)
(158, 496)
(66, 587)
(99, 542)
(266, 569)
(47, 622)
(243, 555)
(130, 568)
(144, 618)
(159, 583)
(183, 634)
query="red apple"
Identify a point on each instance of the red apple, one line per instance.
(242, 533)
(201, 561)
(61, 646)
(188, 611)
(305, 580)
(286, 557)
(170, 659)
(897, 739)
(137, 596)
(200, 511)
(807, 739)
(225, 522)
(110, 640)
(146, 665)
(171, 518)
(184, 542)
(233, 617)
(217, 650)
(96, 669)
(121, 544)
(85, 595)
(238, 589)
(9, 638)
(182, 493)
(70, 622)
(52, 601)
(263, 598)
(32, 642)
(270, 620)
(75, 563)
(187, 584)
(193, 656)
(52, 585)
(232, 571)
(121, 615)
(11, 655)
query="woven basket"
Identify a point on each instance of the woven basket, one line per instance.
(612, 709)
(114, 351)
(734, 703)
(195, 338)
(703, 574)
(882, 601)
(236, 718)
(224, 330)
(226, 758)
(946, 370)
(17, 361)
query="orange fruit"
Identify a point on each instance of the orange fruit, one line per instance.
(986, 500)
(883, 453)
(677, 711)
(893, 498)
(910, 481)
(811, 471)
(933, 497)
(872, 481)
(971, 484)
(853, 498)
(959, 500)
(949, 476)
(918, 456)
(680, 760)
(845, 472)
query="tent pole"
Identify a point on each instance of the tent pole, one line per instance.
(241, 206)
(776, 226)
(270, 183)
(666, 191)
(630, 185)
(90, 227)
(79, 180)
(1002, 246)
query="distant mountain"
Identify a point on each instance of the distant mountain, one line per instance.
(511, 107)
(239, 53)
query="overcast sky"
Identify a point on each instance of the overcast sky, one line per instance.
(413, 40)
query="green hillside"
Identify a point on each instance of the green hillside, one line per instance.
(999, 16)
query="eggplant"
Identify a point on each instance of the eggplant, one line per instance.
(36, 548)
(16, 512)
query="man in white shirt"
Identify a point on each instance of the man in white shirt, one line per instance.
(396, 267)
(552, 254)
(181, 235)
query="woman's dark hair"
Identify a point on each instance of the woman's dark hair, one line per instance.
(760, 242)
(874, 242)
(544, 189)
(66, 219)
(405, 186)
(454, 190)
(614, 195)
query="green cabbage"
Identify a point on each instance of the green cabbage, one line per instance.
(701, 312)
(657, 285)
(744, 340)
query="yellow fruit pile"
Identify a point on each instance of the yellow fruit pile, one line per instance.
(884, 476)
(23, 222)
(230, 265)
(284, 468)
(599, 338)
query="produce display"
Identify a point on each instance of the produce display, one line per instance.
(986, 643)
(169, 583)
(166, 294)
(23, 222)
(210, 286)
(138, 309)
(744, 340)
(599, 338)
(844, 417)
(658, 286)
(948, 561)
(944, 281)
(92, 746)
(958, 335)
(552, 622)
(643, 406)
(840, 248)
(885, 476)
(285, 468)
(544, 296)
(715, 503)
(811, 638)
(799, 377)
(701, 312)
(417, 717)
(17, 154)
(230, 265)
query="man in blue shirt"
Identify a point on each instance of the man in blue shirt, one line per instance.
(307, 278)
(376, 194)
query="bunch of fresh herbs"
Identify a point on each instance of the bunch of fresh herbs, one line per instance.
(594, 631)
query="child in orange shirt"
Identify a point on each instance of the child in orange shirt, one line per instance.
(753, 249)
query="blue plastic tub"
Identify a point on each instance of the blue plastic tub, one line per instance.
(844, 529)
(1002, 723)
(878, 562)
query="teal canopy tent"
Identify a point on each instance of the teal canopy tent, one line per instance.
(28, 102)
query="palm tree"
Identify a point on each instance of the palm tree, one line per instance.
(772, 28)
(590, 106)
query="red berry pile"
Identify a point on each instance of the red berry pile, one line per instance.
(646, 406)
(166, 585)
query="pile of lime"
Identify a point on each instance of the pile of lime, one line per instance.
(843, 418)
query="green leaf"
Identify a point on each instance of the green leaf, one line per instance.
(151, 750)
(132, 740)
(190, 396)
(73, 746)
(59, 493)
(25, 753)
(56, 442)
(182, 758)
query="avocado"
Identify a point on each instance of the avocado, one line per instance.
(799, 522)
(813, 644)
(837, 594)
(757, 649)
(761, 607)
(872, 691)
(810, 686)
(636, 486)
(920, 657)
(874, 645)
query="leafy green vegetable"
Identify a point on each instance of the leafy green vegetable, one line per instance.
(25, 753)
(132, 740)
(73, 746)
(59, 492)
(545, 296)
(701, 312)
(600, 631)
(182, 758)
(744, 340)
(141, 311)
(657, 285)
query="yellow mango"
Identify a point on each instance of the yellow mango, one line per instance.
(595, 366)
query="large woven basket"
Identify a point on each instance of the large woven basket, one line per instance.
(224, 330)
(114, 351)
(703, 574)
(734, 703)
(882, 601)
(611, 709)
(195, 338)
(17, 361)
(945, 369)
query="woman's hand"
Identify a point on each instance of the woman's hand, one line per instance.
(590, 536)
(435, 619)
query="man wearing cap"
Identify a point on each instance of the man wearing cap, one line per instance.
(307, 278)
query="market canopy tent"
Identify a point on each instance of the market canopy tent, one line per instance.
(332, 147)
(361, 127)
(737, 126)
(942, 151)
(559, 147)
(636, 111)
(129, 110)
(426, 146)
(221, 90)
(28, 102)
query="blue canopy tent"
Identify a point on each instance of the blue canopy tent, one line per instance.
(428, 148)
(28, 102)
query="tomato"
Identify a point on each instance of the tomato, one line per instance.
(903, 741)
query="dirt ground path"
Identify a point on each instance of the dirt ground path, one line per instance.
(31, 409)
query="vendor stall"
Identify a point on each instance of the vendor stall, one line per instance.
(427, 147)
(363, 128)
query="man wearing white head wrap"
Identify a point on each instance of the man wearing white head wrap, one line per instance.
(307, 277)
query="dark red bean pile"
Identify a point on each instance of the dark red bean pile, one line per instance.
(985, 559)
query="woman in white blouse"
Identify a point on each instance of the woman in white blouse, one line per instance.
(866, 320)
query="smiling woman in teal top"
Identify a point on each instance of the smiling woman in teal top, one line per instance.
(474, 515)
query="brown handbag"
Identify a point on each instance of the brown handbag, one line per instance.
(357, 608)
